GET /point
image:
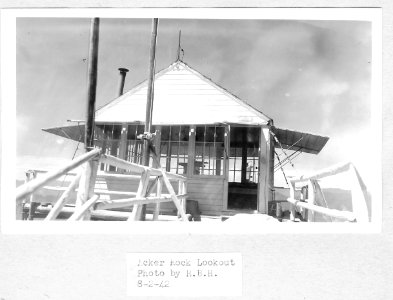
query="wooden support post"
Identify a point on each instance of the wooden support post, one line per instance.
(159, 192)
(124, 126)
(359, 194)
(266, 170)
(174, 197)
(180, 192)
(136, 214)
(62, 200)
(184, 192)
(292, 206)
(19, 209)
(244, 155)
(311, 200)
(226, 165)
(191, 151)
(123, 141)
(157, 145)
(30, 175)
(86, 185)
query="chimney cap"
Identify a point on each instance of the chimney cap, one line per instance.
(123, 70)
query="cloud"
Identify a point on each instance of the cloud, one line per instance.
(333, 88)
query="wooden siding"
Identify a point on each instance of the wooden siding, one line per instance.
(209, 192)
(196, 98)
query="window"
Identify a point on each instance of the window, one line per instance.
(244, 155)
(209, 150)
(174, 148)
(110, 136)
(134, 150)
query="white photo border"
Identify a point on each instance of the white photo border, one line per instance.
(8, 118)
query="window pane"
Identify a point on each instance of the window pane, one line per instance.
(141, 129)
(209, 151)
(220, 132)
(183, 148)
(164, 148)
(210, 131)
(131, 134)
(200, 134)
(165, 133)
(184, 133)
(116, 132)
(175, 130)
(108, 130)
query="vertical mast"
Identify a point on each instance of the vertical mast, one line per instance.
(179, 47)
(91, 83)
(150, 91)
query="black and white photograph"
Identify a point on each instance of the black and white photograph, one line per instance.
(206, 120)
(195, 153)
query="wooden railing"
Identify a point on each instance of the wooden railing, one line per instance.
(88, 198)
(358, 192)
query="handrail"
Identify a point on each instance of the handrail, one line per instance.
(129, 166)
(31, 186)
(334, 170)
(346, 215)
(83, 208)
(358, 191)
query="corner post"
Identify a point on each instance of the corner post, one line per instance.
(266, 169)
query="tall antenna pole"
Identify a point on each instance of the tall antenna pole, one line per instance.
(150, 91)
(91, 83)
(179, 47)
(88, 178)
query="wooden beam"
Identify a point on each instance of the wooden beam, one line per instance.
(80, 212)
(266, 170)
(137, 213)
(86, 184)
(133, 201)
(157, 206)
(62, 200)
(30, 187)
(339, 168)
(108, 159)
(244, 155)
(311, 200)
(359, 196)
(104, 215)
(346, 215)
(129, 166)
(170, 188)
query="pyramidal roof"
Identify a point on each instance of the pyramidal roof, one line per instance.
(181, 96)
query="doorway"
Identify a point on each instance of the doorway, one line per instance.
(243, 169)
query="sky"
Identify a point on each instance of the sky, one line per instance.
(311, 76)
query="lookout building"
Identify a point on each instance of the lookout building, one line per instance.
(224, 146)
